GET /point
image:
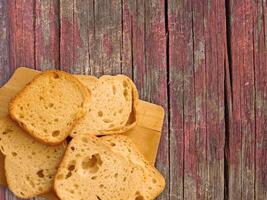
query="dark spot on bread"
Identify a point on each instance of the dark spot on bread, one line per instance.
(55, 133)
(40, 173)
(55, 75)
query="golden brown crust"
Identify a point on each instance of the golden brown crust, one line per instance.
(86, 95)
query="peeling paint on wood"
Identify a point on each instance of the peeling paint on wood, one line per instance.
(4, 39)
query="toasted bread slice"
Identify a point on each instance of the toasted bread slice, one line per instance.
(49, 107)
(91, 170)
(113, 106)
(123, 145)
(30, 166)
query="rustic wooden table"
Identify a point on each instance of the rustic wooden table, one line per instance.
(205, 61)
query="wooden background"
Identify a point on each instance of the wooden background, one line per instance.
(205, 61)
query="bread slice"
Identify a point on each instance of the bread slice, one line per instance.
(113, 105)
(155, 182)
(30, 166)
(90, 170)
(50, 106)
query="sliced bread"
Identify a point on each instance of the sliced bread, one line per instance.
(30, 166)
(154, 183)
(49, 107)
(112, 108)
(90, 170)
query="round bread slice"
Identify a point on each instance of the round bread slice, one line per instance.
(49, 107)
(30, 166)
(113, 105)
(90, 170)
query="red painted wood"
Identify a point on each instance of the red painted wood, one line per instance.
(107, 37)
(247, 25)
(47, 34)
(197, 61)
(21, 29)
(4, 49)
(260, 61)
(153, 87)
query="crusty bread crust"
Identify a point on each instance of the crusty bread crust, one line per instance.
(80, 113)
(124, 146)
(92, 84)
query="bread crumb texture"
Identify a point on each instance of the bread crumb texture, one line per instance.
(30, 166)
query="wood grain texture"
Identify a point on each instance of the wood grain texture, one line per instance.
(248, 157)
(4, 48)
(21, 29)
(46, 34)
(197, 129)
(260, 60)
(176, 53)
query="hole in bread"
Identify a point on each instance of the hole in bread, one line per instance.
(94, 177)
(120, 111)
(56, 120)
(72, 148)
(55, 133)
(112, 144)
(41, 98)
(21, 193)
(101, 185)
(124, 179)
(21, 116)
(92, 163)
(68, 175)
(98, 198)
(47, 157)
(139, 197)
(150, 188)
(100, 113)
(50, 105)
(154, 181)
(40, 173)
(107, 120)
(8, 130)
(28, 105)
(76, 186)
(55, 75)
(125, 93)
(40, 189)
(115, 113)
(124, 83)
(71, 167)
(74, 133)
(116, 175)
(45, 130)
(114, 89)
(14, 154)
(21, 108)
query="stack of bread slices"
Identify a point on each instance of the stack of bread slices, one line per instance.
(62, 135)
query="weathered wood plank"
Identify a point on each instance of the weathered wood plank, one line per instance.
(47, 34)
(21, 29)
(197, 61)
(4, 48)
(215, 47)
(260, 56)
(242, 139)
(91, 37)
(154, 85)
(178, 51)
(106, 40)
